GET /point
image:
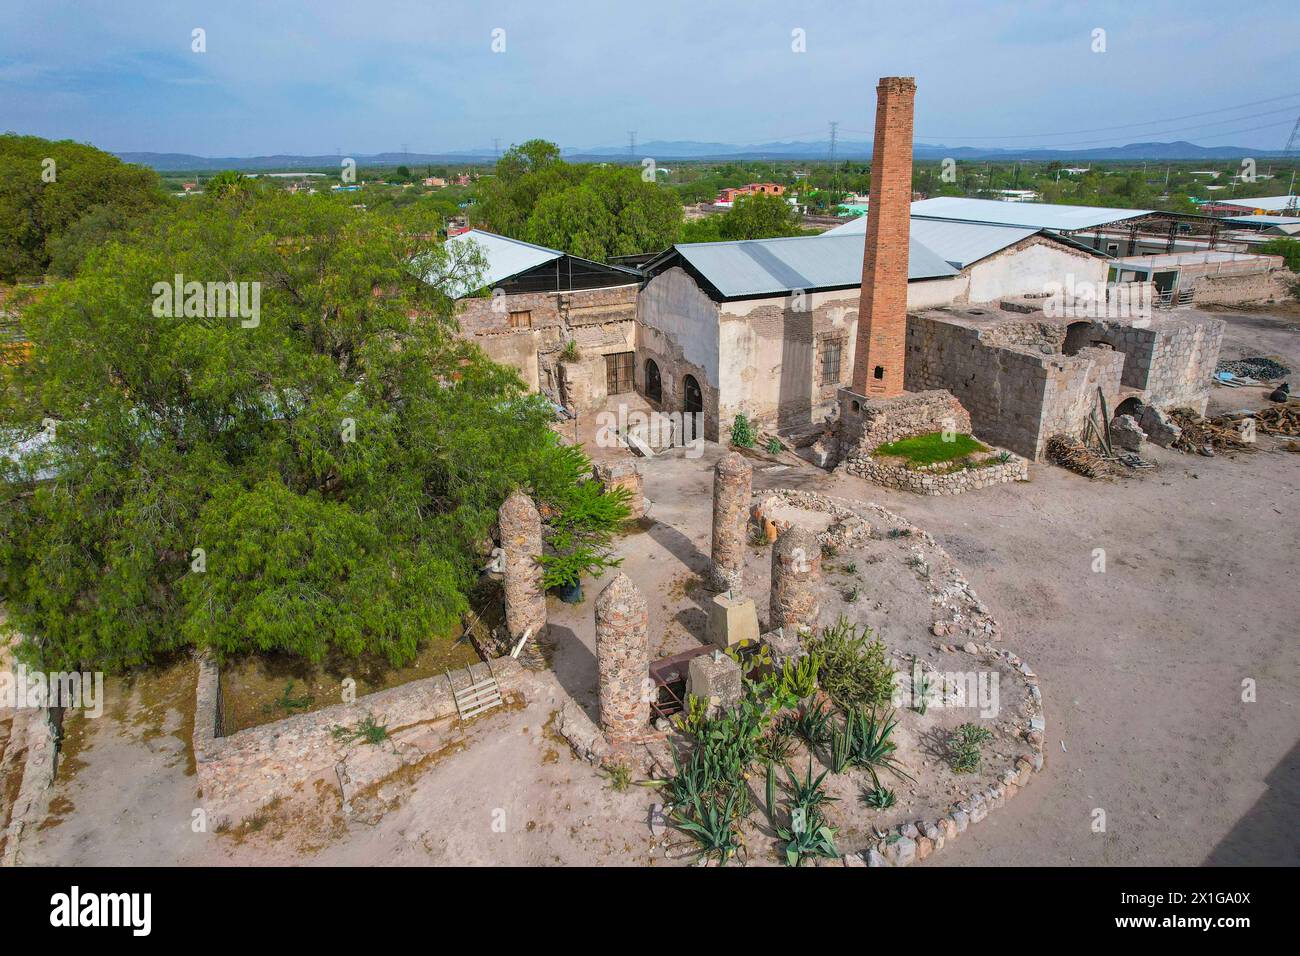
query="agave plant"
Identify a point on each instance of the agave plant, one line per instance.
(871, 747)
(712, 827)
(809, 839)
(814, 724)
(879, 798)
(807, 793)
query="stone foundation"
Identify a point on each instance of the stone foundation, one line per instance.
(932, 480)
(868, 423)
(241, 773)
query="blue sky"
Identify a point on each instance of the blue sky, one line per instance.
(285, 76)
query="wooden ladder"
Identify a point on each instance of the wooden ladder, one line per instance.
(477, 696)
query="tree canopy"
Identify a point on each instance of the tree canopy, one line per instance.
(590, 211)
(58, 200)
(312, 476)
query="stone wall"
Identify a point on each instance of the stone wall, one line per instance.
(1242, 289)
(934, 480)
(1182, 363)
(244, 771)
(867, 423)
(600, 321)
(1017, 394)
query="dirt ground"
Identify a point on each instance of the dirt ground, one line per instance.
(1141, 668)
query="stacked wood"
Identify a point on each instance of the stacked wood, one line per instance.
(1071, 453)
(1200, 432)
(1282, 419)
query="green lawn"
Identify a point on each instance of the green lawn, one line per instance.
(930, 448)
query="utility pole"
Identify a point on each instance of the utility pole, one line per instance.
(631, 146)
(835, 172)
(496, 148)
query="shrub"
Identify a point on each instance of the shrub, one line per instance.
(855, 670)
(742, 432)
(964, 747)
(773, 446)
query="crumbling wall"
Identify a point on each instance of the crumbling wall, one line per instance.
(1183, 362)
(773, 353)
(1070, 392)
(244, 771)
(1001, 388)
(866, 423)
(1242, 289)
(677, 327)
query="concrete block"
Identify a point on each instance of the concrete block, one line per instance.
(732, 620)
(716, 678)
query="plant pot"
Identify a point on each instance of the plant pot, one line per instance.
(570, 593)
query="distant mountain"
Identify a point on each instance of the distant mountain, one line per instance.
(178, 162)
(666, 150)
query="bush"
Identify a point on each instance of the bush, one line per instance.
(855, 669)
(742, 432)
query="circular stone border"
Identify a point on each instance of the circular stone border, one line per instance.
(847, 526)
(958, 612)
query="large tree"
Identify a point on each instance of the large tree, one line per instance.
(311, 476)
(60, 199)
(589, 211)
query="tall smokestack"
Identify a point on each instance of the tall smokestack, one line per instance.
(882, 312)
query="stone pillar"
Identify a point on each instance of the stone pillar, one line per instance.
(733, 477)
(622, 473)
(623, 660)
(521, 540)
(796, 580)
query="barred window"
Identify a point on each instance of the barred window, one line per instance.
(831, 362)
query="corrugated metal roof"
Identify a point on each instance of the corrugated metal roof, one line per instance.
(1039, 215)
(758, 267)
(1274, 203)
(505, 257)
(1265, 220)
(957, 243)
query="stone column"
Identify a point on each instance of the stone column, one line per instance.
(796, 580)
(521, 540)
(623, 660)
(733, 477)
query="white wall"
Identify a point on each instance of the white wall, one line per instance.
(1028, 268)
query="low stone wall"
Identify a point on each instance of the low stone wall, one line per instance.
(931, 480)
(244, 771)
(867, 423)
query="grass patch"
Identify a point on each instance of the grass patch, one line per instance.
(930, 449)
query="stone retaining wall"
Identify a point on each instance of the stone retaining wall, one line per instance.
(932, 481)
(244, 771)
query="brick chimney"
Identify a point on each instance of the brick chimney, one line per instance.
(882, 312)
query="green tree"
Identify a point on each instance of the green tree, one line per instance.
(760, 216)
(314, 478)
(48, 188)
(1288, 249)
(589, 211)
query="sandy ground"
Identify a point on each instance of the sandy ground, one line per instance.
(1141, 669)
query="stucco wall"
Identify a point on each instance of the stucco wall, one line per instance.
(772, 351)
(678, 327)
(1027, 267)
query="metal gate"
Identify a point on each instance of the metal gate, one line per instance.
(620, 372)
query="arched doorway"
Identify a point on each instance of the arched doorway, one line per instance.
(654, 389)
(1078, 335)
(694, 398)
(693, 407)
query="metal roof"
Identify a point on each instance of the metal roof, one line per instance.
(505, 257)
(1274, 203)
(1265, 220)
(1039, 215)
(756, 267)
(957, 243)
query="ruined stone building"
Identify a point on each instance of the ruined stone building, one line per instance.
(1009, 313)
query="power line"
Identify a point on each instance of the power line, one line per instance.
(1104, 129)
